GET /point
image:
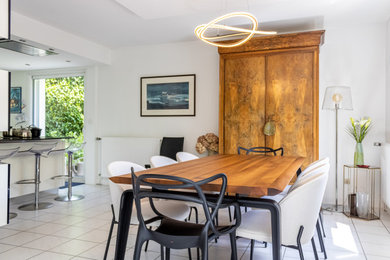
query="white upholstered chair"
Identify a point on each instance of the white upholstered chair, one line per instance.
(313, 165)
(159, 161)
(316, 168)
(173, 209)
(184, 156)
(320, 167)
(299, 213)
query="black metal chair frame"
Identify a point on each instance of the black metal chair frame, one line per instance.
(190, 235)
(260, 149)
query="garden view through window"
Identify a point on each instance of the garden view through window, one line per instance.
(59, 109)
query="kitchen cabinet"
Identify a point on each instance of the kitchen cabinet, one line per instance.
(4, 100)
(4, 75)
(4, 193)
(271, 78)
(4, 19)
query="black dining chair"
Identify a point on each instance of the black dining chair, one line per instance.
(174, 234)
(265, 150)
(258, 150)
(261, 150)
(170, 146)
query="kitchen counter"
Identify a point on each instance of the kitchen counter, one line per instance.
(15, 139)
(22, 164)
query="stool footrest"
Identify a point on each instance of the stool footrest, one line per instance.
(66, 198)
(29, 181)
(63, 176)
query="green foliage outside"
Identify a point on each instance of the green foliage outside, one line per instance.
(65, 109)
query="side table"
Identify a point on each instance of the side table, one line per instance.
(362, 192)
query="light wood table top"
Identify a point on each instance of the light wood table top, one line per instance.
(249, 175)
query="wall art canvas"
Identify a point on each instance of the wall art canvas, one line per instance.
(168, 95)
(15, 102)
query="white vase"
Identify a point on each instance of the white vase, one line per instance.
(362, 200)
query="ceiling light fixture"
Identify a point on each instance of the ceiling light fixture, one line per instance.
(201, 30)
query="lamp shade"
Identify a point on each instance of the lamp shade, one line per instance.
(337, 97)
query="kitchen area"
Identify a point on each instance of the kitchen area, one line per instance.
(37, 153)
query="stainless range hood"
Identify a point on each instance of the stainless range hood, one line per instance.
(24, 48)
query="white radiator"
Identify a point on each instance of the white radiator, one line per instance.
(385, 165)
(133, 149)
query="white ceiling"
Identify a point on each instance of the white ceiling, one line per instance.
(119, 23)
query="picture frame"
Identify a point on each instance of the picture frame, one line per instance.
(15, 100)
(168, 95)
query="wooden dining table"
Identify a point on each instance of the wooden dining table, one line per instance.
(250, 177)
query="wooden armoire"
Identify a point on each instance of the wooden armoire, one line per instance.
(276, 78)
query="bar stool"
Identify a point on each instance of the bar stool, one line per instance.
(70, 151)
(38, 150)
(5, 154)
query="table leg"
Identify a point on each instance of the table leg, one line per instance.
(126, 207)
(274, 209)
(275, 223)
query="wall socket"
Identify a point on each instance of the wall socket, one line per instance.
(377, 144)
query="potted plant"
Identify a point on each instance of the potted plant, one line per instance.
(208, 142)
(358, 130)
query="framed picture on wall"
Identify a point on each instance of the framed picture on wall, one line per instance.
(168, 95)
(15, 101)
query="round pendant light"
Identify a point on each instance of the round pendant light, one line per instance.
(245, 34)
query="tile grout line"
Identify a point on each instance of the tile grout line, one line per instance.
(385, 226)
(360, 242)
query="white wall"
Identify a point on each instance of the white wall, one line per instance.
(91, 125)
(119, 91)
(24, 80)
(388, 82)
(353, 56)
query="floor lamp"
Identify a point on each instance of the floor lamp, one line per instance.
(336, 98)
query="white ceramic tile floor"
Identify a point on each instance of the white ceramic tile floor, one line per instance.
(79, 230)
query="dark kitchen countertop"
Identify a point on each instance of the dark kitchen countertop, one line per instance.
(29, 139)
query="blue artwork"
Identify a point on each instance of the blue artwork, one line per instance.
(167, 96)
(15, 102)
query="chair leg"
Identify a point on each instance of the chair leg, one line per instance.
(252, 248)
(167, 253)
(138, 248)
(205, 252)
(319, 234)
(299, 243)
(322, 224)
(321, 240)
(189, 254)
(198, 253)
(189, 216)
(109, 239)
(147, 242)
(230, 214)
(217, 224)
(196, 215)
(233, 245)
(313, 244)
(300, 251)
(162, 252)
(146, 245)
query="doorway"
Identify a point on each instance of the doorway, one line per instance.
(58, 109)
